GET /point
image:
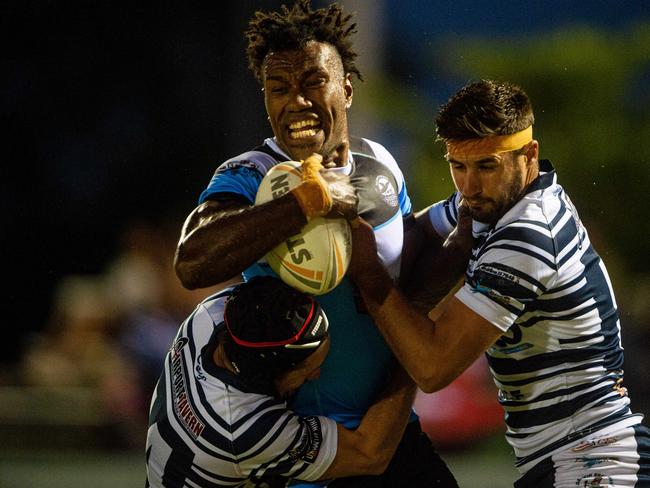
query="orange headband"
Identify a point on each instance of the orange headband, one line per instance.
(471, 148)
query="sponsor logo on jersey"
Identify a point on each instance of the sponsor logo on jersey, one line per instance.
(595, 480)
(182, 408)
(310, 441)
(581, 228)
(491, 292)
(387, 191)
(592, 443)
(229, 165)
(591, 462)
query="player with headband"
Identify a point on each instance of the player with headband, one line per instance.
(536, 299)
(219, 415)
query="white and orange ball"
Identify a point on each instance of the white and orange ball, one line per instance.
(315, 260)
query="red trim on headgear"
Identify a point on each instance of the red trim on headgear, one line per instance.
(290, 340)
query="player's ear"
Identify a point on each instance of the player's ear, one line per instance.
(532, 153)
(349, 91)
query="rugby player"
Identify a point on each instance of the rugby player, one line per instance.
(305, 61)
(536, 298)
(219, 415)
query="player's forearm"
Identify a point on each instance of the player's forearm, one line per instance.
(410, 334)
(217, 245)
(383, 425)
(414, 340)
(368, 449)
(436, 271)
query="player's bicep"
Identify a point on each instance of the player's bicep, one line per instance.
(210, 210)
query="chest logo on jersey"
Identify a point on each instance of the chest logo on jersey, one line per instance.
(387, 191)
(485, 282)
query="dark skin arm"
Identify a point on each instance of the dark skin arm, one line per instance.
(221, 239)
(425, 251)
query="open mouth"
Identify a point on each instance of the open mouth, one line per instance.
(303, 129)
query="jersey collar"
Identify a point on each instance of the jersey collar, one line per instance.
(272, 143)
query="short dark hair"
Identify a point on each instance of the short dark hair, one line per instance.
(293, 28)
(485, 108)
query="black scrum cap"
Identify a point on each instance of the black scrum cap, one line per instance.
(271, 325)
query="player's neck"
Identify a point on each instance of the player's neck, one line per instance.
(221, 360)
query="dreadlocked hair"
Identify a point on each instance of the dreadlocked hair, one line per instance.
(293, 28)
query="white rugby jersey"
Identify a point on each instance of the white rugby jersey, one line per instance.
(207, 430)
(535, 276)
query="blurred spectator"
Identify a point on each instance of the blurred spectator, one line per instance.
(153, 301)
(77, 348)
(111, 332)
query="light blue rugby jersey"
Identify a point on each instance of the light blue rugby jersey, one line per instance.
(356, 368)
(535, 276)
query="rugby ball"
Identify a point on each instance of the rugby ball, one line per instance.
(315, 260)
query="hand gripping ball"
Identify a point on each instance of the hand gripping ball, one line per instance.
(315, 260)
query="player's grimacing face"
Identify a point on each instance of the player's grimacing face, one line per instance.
(490, 184)
(307, 94)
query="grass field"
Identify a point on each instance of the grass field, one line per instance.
(486, 464)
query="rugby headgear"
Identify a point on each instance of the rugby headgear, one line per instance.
(271, 326)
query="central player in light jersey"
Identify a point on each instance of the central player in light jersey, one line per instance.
(305, 62)
(536, 298)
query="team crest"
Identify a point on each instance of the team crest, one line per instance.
(387, 191)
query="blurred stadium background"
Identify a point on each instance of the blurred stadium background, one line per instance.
(117, 114)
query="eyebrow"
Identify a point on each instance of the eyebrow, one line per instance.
(275, 78)
(489, 159)
(306, 74)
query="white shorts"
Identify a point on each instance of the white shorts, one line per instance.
(611, 457)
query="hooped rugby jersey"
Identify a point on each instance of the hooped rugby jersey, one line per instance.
(206, 429)
(356, 368)
(535, 276)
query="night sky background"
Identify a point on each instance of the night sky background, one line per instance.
(113, 113)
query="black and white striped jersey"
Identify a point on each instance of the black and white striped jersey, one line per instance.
(535, 276)
(207, 430)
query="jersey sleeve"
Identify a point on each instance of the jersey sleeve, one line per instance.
(239, 176)
(303, 450)
(382, 154)
(444, 215)
(514, 267)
